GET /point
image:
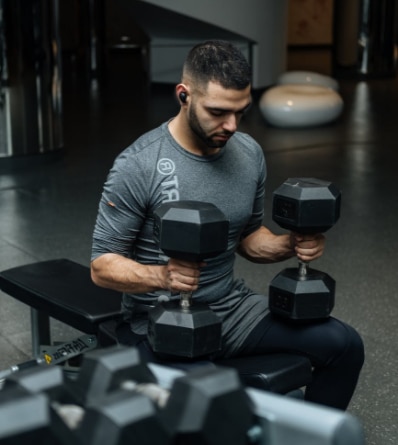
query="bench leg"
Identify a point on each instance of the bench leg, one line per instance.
(40, 325)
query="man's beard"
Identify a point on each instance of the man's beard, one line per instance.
(201, 134)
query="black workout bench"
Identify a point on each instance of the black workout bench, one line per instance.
(63, 290)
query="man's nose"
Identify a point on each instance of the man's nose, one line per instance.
(231, 123)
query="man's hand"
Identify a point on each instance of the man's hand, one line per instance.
(308, 247)
(183, 276)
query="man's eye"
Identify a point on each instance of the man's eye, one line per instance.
(216, 113)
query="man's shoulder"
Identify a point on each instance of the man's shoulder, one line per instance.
(142, 153)
(251, 147)
(147, 140)
(246, 138)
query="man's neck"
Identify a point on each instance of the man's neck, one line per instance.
(183, 135)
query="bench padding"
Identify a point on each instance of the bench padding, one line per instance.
(64, 290)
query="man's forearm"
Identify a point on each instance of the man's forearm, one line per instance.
(263, 246)
(116, 272)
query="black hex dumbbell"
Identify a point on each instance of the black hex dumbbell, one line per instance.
(29, 408)
(208, 406)
(115, 399)
(44, 407)
(113, 413)
(192, 231)
(305, 206)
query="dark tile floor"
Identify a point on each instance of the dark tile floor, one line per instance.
(48, 205)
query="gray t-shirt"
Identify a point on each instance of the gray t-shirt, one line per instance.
(156, 169)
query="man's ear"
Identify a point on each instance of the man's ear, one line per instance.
(182, 92)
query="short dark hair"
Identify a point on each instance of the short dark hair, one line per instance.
(218, 61)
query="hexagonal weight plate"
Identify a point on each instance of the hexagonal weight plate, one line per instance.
(306, 205)
(101, 373)
(192, 332)
(302, 298)
(216, 409)
(190, 230)
(123, 417)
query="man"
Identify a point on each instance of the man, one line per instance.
(199, 155)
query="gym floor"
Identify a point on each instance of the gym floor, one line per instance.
(48, 204)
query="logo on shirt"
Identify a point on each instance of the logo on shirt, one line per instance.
(166, 166)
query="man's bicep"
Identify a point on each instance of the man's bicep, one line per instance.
(116, 229)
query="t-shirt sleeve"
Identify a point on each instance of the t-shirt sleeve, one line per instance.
(121, 212)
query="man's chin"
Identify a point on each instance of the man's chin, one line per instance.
(217, 143)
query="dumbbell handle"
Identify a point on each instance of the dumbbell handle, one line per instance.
(155, 392)
(73, 414)
(185, 300)
(303, 268)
